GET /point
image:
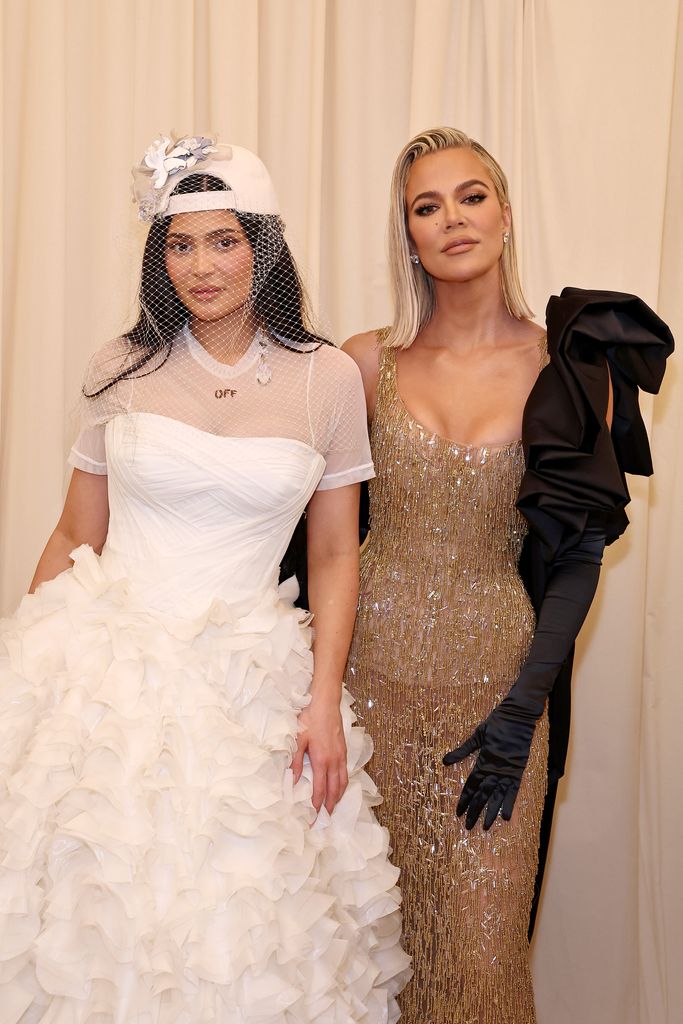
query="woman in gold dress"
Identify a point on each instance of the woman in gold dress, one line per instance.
(445, 622)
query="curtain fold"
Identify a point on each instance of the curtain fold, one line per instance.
(661, 827)
(582, 103)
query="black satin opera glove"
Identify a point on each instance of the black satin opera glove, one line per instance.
(504, 738)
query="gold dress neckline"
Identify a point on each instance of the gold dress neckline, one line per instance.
(388, 361)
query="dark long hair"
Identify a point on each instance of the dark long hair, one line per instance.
(279, 303)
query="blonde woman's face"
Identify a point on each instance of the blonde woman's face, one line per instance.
(455, 221)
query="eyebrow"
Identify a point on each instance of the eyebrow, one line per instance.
(212, 234)
(458, 188)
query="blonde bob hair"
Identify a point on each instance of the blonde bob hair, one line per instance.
(412, 286)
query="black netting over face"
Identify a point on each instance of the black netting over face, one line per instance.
(224, 343)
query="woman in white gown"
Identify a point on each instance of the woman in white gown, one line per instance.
(186, 832)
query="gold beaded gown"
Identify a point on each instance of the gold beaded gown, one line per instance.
(444, 625)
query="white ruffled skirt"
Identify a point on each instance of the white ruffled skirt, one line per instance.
(157, 864)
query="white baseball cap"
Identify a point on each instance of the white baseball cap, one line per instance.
(166, 162)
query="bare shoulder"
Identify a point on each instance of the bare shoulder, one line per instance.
(366, 349)
(528, 332)
(527, 342)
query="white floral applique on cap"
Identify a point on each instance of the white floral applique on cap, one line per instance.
(182, 155)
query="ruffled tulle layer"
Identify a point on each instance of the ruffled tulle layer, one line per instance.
(157, 865)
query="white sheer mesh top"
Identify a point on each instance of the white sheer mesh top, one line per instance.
(314, 396)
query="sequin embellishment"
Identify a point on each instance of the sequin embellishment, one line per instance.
(443, 628)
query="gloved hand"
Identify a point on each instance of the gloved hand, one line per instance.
(504, 738)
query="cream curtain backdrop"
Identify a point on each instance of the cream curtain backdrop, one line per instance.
(583, 104)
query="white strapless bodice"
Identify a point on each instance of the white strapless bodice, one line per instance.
(157, 860)
(196, 517)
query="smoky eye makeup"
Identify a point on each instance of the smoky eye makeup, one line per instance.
(223, 239)
(421, 206)
(425, 209)
(424, 200)
(178, 245)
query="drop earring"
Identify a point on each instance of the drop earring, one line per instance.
(506, 237)
(263, 370)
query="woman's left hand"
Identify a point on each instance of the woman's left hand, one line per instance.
(321, 736)
(504, 742)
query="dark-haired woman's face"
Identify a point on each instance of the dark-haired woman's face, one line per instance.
(454, 218)
(210, 263)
